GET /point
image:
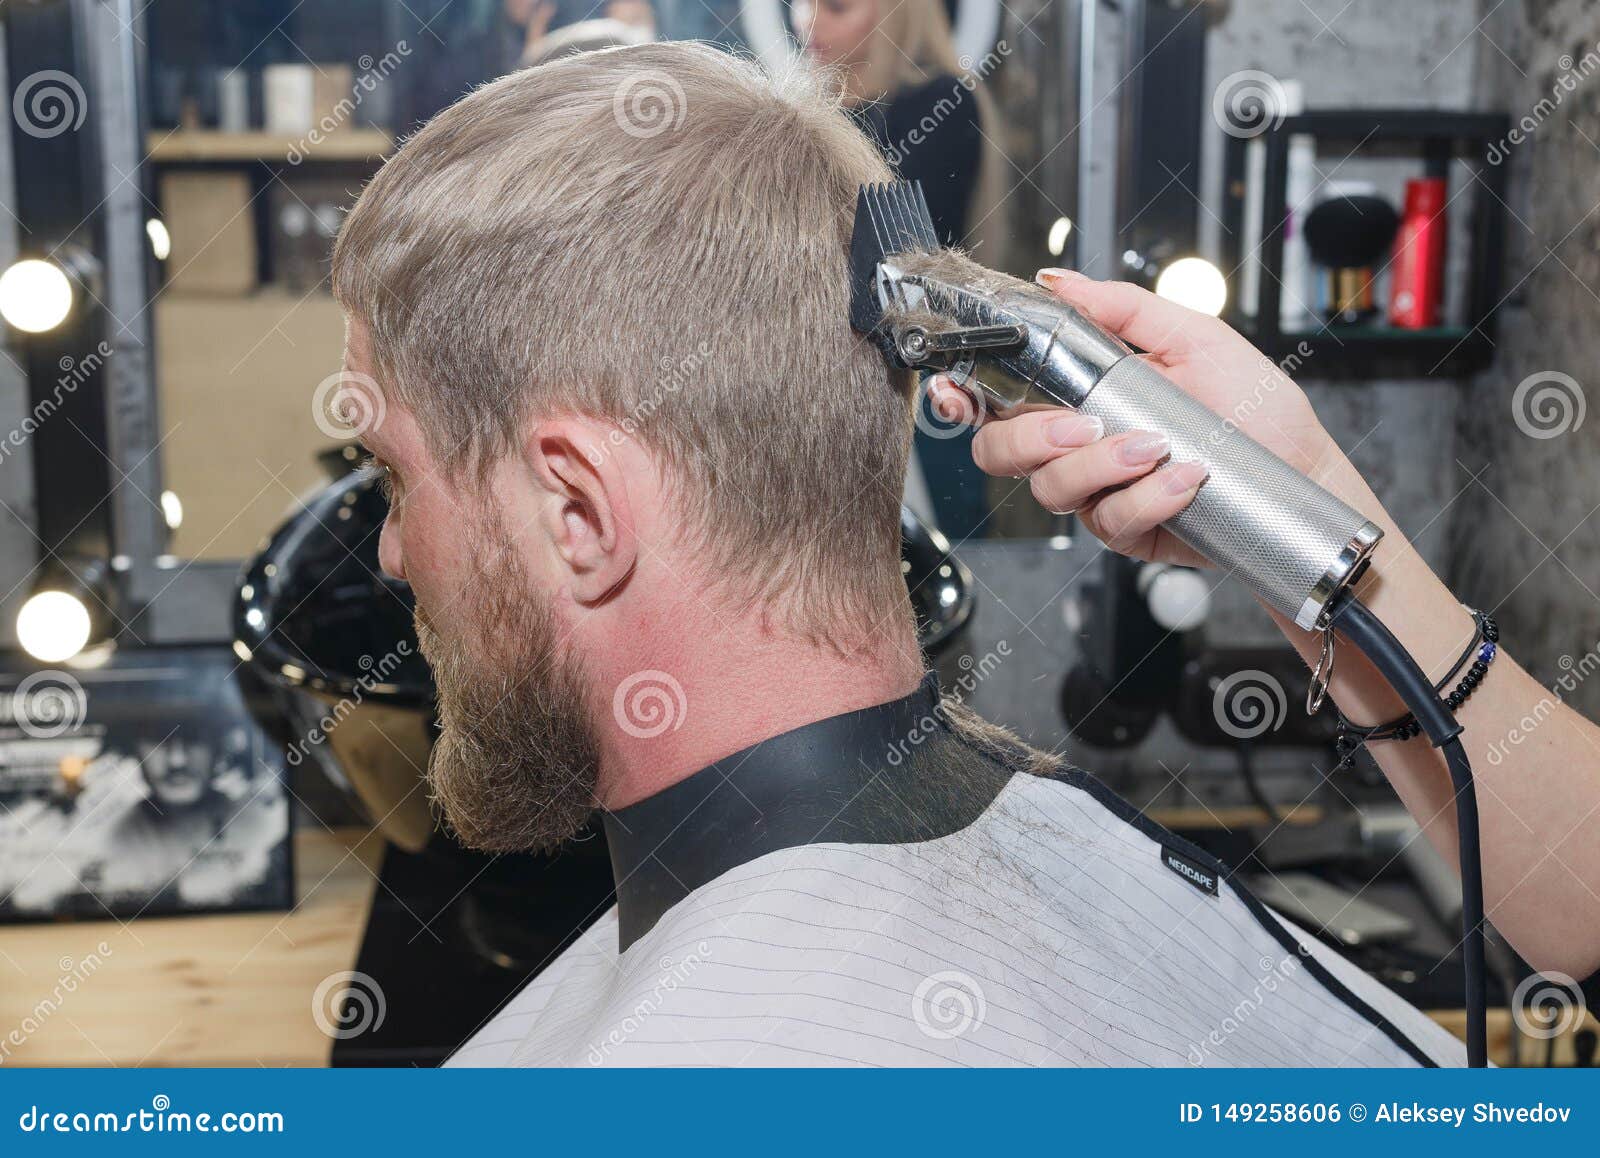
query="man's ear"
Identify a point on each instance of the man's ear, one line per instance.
(590, 519)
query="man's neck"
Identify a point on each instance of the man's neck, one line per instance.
(705, 696)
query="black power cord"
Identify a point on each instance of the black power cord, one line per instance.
(1366, 631)
(1252, 784)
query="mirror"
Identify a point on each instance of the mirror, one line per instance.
(266, 118)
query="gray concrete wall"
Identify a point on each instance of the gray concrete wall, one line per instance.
(1526, 536)
(1365, 54)
(1500, 489)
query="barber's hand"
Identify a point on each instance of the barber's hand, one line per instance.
(1122, 487)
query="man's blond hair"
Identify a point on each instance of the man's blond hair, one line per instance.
(656, 236)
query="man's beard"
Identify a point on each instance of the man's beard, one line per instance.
(515, 763)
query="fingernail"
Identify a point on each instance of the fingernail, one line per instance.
(1138, 449)
(1073, 430)
(1050, 278)
(1182, 477)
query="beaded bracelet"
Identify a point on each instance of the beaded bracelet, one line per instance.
(1484, 645)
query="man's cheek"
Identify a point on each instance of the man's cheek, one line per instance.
(436, 565)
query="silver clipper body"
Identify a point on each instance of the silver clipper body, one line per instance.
(1009, 343)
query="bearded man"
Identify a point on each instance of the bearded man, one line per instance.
(646, 488)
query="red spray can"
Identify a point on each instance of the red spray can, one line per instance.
(1416, 285)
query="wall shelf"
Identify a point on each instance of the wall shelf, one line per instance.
(210, 147)
(1374, 351)
(1436, 139)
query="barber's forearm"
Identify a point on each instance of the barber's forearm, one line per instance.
(1402, 590)
(1538, 797)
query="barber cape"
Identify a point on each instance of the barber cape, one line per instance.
(899, 887)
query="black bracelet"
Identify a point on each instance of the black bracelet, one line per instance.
(1484, 646)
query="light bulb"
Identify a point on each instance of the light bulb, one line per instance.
(35, 295)
(1196, 283)
(160, 239)
(53, 626)
(1060, 230)
(172, 509)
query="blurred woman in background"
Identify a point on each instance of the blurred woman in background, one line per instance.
(927, 110)
(538, 21)
(584, 36)
(896, 64)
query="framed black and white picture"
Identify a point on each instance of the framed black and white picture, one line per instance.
(139, 787)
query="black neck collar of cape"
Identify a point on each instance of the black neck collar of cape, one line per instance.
(891, 774)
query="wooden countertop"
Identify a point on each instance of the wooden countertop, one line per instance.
(191, 991)
(210, 146)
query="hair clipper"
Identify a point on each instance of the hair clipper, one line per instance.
(1006, 342)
